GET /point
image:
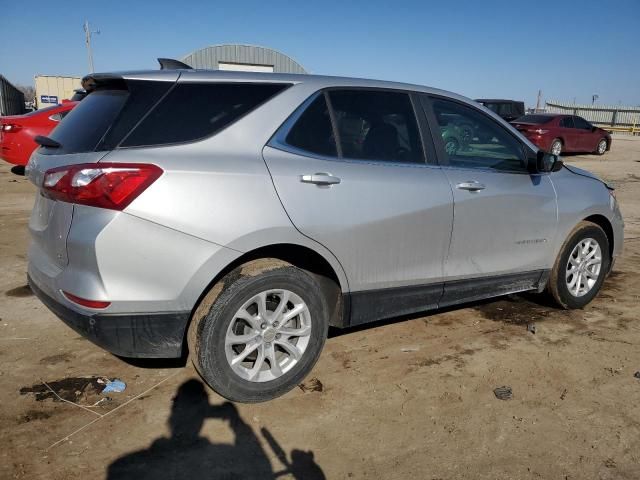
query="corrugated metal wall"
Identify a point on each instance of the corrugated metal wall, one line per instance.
(208, 58)
(11, 99)
(614, 115)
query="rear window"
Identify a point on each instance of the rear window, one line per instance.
(105, 116)
(193, 111)
(537, 119)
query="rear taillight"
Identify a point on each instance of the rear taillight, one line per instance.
(86, 303)
(10, 127)
(103, 185)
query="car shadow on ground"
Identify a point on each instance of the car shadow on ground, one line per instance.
(187, 455)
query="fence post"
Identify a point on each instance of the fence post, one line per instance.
(614, 117)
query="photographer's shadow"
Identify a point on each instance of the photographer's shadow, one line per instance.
(186, 454)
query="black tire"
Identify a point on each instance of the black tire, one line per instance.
(206, 336)
(599, 150)
(558, 142)
(557, 285)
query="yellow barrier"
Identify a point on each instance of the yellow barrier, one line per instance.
(633, 130)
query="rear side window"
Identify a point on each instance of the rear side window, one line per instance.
(193, 111)
(376, 125)
(313, 132)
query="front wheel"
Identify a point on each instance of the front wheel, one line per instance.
(581, 266)
(602, 147)
(260, 333)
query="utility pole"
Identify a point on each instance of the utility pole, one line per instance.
(88, 33)
(538, 102)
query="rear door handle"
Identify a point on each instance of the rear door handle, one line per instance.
(320, 179)
(471, 185)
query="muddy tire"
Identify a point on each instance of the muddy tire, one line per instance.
(259, 331)
(581, 267)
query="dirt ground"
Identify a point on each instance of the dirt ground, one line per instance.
(410, 398)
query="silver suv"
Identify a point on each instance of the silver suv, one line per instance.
(238, 215)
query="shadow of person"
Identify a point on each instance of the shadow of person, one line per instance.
(187, 455)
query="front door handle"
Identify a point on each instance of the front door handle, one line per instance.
(320, 179)
(471, 185)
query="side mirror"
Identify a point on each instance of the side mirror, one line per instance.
(593, 128)
(547, 162)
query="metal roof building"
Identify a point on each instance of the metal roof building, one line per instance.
(248, 58)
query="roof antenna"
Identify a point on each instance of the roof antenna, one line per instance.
(171, 64)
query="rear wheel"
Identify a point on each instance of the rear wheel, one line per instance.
(261, 334)
(602, 146)
(581, 266)
(556, 147)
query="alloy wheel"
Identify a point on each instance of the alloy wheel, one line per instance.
(602, 146)
(583, 267)
(268, 335)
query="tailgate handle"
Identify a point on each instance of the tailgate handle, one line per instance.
(320, 179)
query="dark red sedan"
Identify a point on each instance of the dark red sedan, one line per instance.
(18, 131)
(563, 133)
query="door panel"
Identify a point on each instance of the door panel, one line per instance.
(506, 227)
(504, 217)
(569, 134)
(388, 225)
(585, 141)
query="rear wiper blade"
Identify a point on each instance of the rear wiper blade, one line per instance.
(46, 141)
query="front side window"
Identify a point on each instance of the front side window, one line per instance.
(473, 140)
(376, 125)
(566, 122)
(581, 123)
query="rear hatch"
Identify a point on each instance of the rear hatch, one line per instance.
(86, 135)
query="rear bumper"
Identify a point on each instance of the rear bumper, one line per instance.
(540, 141)
(153, 335)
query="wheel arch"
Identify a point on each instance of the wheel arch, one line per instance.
(304, 257)
(604, 223)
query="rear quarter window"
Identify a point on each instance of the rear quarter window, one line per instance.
(192, 111)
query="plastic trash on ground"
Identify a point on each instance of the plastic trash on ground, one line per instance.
(114, 386)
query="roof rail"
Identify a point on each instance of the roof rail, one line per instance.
(171, 64)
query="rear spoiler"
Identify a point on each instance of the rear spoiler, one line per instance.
(94, 80)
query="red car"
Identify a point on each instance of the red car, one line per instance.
(563, 133)
(18, 131)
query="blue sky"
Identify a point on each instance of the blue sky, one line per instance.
(489, 48)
